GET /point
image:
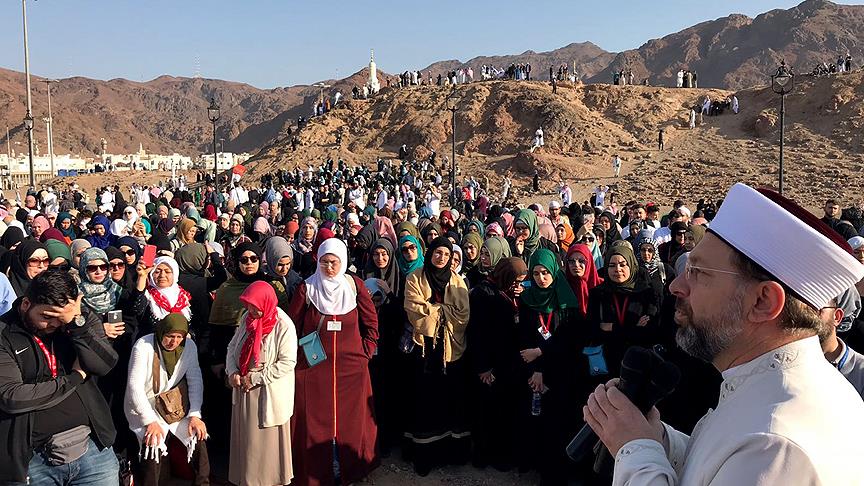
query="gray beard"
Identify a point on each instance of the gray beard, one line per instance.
(706, 338)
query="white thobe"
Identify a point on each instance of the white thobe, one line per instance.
(785, 418)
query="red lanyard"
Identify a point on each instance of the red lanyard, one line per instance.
(49, 355)
(622, 310)
(547, 324)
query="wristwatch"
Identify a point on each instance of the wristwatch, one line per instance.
(79, 320)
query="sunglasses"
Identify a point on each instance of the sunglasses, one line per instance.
(129, 252)
(588, 239)
(38, 262)
(117, 266)
(406, 249)
(63, 267)
(100, 268)
(248, 259)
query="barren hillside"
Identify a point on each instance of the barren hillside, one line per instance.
(586, 124)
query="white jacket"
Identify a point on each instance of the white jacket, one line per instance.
(279, 350)
(140, 398)
(785, 418)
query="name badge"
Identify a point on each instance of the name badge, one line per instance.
(334, 326)
(544, 332)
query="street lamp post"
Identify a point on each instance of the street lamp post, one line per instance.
(213, 115)
(50, 126)
(452, 106)
(28, 125)
(782, 84)
(29, 99)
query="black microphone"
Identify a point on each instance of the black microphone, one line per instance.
(645, 379)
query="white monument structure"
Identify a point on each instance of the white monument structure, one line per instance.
(373, 85)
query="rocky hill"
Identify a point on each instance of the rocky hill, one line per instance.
(586, 124)
(737, 51)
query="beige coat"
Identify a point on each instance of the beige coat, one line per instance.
(279, 350)
(426, 316)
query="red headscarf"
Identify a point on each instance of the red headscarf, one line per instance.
(291, 228)
(588, 281)
(261, 295)
(446, 220)
(210, 212)
(323, 235)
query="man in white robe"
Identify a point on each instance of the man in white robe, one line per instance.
(776, 422)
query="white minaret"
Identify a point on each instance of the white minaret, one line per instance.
(373, 83)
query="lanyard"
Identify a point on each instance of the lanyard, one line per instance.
(844, 358)
(546, 325)
(49, 356)
(620, 310)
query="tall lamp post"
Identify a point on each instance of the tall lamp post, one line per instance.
(452, 105)
(782, 84)
(213, 115)
(50, 125)
(29, 99)
(28, 125)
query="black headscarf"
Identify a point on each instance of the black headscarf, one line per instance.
(161, 242)
(438, 278)
(131, 243)
(129, 275)
(390, 273)
(21, 215)
(18, 277)
(238, 251)
(10, 238)
(612, 234)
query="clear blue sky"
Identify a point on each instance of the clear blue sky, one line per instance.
(269, 43)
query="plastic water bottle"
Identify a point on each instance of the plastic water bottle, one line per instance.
(535, 404)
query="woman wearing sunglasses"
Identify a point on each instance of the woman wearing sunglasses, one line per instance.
(32, 260)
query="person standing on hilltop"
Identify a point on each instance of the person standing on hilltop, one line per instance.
(538, 139)
(660, 137)
(616, 165)
(535, 182)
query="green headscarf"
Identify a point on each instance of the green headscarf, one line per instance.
(405, 266)
(58, 249)
(529, 217)
(498, 249)
(481, 228)
(626, 252)
(557, 296)
(174, 322)
(476, 240)
(412, 230)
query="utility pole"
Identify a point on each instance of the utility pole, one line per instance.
(50, 126)
(8, 145)
(29, 99)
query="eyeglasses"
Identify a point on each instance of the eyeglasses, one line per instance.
(692, 271)
(129, 252)
(328, 263)
(409, 248)
(248, 259)
(117, 266)
(95, 268)
(38, 262)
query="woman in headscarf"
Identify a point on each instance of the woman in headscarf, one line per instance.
(12, 237)
(495, 363)
(384, 229)
(77, 247)
(581, 274)
(475, 226)
(99, 235)
(200, 275)
(30, 258)
(410, 255)
(669, 250)
(692, 237)
(526, 238)
(472, 242)
(186, 232)
(610, 225)
(622, 310)
(436, 301)
(659, 274)
(39, 225)
(430, 232)
(589, 239)
(279, 268)
(456, 259)
(304, 240)
(66, 226)
(547, 328)
(260, 365)
(172, 351)
(494, 229)
(235, 235)
(261, 228)
(164, 295)
(334, 398)
(566, 237)
(53, 234)
(59, 254)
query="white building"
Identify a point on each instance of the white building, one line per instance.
(373, 83)
(227, 160)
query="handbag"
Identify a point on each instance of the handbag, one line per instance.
(171, 405)
(596, 360)
(313, 349)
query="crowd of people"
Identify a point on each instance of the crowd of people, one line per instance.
(302, 328)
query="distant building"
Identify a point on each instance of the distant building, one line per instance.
(373, 83)
(227, 160)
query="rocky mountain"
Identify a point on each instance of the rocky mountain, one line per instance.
(737, 51)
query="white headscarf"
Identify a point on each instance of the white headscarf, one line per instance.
(171, 293)
(130, 219)
(119, 228)
(332, 296)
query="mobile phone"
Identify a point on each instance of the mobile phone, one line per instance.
(114, 317)
(149, 255)
(525, 283)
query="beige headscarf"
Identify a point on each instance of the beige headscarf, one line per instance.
(426, 317)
